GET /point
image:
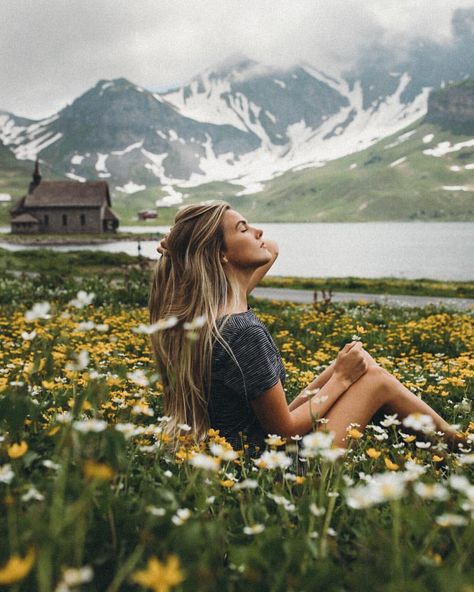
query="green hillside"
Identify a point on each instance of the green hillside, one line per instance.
(371, 185)
(15, 176)
(357, 188)
(363, 186)
(14, 179)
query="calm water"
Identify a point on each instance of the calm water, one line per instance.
(437, 250)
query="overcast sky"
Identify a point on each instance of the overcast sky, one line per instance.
(54, 50)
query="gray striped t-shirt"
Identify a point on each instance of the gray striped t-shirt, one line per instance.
(232, 389)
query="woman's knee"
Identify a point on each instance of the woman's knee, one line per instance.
(371, 384)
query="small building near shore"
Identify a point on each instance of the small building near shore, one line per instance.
(147, 214)
(64, 207)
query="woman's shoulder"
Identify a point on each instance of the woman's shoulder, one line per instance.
(235, 324)
(244, 333)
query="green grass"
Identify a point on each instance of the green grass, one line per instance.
(82, 262)
(419, 287)
(94, 484)
(77, 239)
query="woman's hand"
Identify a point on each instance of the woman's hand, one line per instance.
(351, 363)
(163, 245)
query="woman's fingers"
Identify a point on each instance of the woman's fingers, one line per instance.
(162, 246)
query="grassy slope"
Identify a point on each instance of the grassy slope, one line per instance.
(371, 191)
(374, 190)
(334, 193)
(14, 178)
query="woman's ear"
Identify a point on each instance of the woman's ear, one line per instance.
(224, 259)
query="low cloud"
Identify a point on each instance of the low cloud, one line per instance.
(52, 51)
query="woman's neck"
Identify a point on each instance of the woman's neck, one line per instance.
(242, 304)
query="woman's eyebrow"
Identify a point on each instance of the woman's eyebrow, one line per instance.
(241, 222)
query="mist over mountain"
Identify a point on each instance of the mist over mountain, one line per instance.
(241, 121)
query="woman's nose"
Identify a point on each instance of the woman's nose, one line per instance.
(259, 232)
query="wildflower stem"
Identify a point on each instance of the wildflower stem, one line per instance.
(126, 568)
(396, 527)
(12, 527)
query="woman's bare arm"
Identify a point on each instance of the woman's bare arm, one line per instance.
(276, 417)
(322, 379)
(317, 383)
(260, 273)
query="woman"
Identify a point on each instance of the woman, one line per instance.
(219, 365)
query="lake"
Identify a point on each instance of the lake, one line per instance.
(433, 250)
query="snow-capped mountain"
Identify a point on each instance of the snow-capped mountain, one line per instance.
(240, 122)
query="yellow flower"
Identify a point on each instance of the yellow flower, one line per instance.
(183, 454)
(228, 483)
(158, 576)
(274, 440)
(17, 568)
(354, 434)
(409, 439)
(390, 465)
(94, 470)
(300, 480)
(9, 500)
(53, 431)
(437, 458)
(17, 450)
(372, 453)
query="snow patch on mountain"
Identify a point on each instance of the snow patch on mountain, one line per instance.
(397, 162)
(9, 130)
(131, 188)
(30, 150)
(75, 177)
(403, 138)
(77, 159)
(100, 164)
(457, 188)
(128, 149)
(156, 165)
(445, 148)
(173, 198)
(204, 100)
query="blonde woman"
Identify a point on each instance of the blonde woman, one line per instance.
(219, 365)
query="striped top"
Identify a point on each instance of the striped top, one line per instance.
(232, 388)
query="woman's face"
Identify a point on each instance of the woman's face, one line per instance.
(243, 244)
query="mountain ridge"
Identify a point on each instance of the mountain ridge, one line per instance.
(240, 123)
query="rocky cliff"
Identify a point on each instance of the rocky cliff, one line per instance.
(453, 107)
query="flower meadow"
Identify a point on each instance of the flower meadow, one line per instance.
(95, 498)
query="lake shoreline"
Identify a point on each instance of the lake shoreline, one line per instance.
(405, 251)
(74, 240)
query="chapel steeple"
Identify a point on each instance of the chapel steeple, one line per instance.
(36, 178)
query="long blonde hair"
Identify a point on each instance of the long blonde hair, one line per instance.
(189, 283)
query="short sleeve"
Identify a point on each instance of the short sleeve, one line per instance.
(258, 361)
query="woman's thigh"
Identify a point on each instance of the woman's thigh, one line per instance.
(358, 404)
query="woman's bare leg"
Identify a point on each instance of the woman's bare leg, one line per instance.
(375, 389)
